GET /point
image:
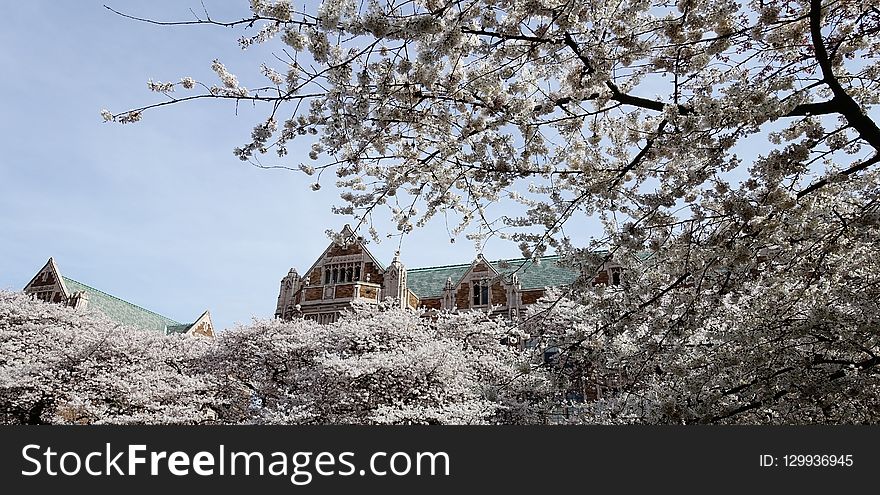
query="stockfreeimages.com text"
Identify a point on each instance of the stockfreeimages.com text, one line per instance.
(301, 467)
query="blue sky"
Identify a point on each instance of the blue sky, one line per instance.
(159, 213)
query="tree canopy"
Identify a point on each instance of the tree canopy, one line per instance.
(729, 150)
(64, 366)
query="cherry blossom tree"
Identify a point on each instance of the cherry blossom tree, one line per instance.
(453, 103)
(728, 148)
(763, 351)
(376, 367)
(59, 365)
(63, 366)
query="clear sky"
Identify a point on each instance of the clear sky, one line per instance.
(159, 213)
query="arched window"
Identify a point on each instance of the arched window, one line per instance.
(339, 273)
(481, 292)
(615, 276)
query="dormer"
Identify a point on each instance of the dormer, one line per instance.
(346, 271)
(481, 286)
(48, 284)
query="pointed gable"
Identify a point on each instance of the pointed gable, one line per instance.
(203, 326)
(345, 272)
(346, 248)
(48, 284)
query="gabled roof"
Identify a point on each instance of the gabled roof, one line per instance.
(185, 327)
(347, 233)
(182, 328)
(428, 282)
(123, 312)
(56, 275)
(545, 272)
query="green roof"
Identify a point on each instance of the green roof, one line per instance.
(428, 282)
(123, 312)
(178, 328)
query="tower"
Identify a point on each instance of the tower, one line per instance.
(394, 285)
(289, 286)
(448, 299)
(514, 297)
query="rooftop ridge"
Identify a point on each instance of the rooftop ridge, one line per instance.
(121, 300)
(503, 260)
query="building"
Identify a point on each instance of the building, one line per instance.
(347, 273)
(50, 286)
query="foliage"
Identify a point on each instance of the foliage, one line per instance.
(392, 366)
(762, 352)
(728, 148)
(59, 365)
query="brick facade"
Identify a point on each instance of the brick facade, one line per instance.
(372, 273)
(347, 272)
(463, 296)
(499, 294)
(344, 291)
(531, 296)
(369, 292)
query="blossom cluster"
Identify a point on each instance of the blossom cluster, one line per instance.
(726, 153)
(62, 366)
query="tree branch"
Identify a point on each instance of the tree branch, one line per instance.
(846, 105)
(249, 22)
(824, 182)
